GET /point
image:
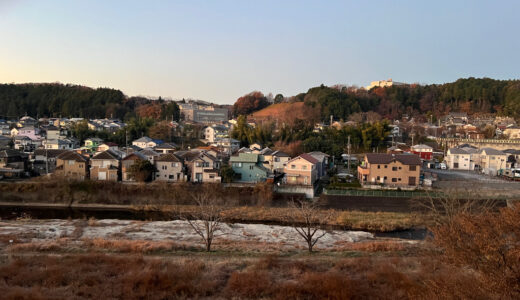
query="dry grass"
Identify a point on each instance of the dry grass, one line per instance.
(312, 277)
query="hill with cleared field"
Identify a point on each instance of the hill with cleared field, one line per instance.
(287, 112)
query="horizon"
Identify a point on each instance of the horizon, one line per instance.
(219, 51)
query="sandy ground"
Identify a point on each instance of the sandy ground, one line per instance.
(177, 231)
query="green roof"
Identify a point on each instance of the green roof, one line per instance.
(245, 157)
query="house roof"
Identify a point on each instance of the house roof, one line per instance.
(72, 155)
(422, 146)
(511, 151)
(491, 151)
(266, 151)
(245, 157)
(9, 153)
(166, 146)
(49, 152)
(280, 154)
(168, 157)
(148, 152)
(318, 155)
(307, 157)
(109, 144)
(457, 151)
(386, 158)
(134, 156)
(143, 139)
(108, 154)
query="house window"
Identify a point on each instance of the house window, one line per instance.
(394, 168)
(170, 177)
(385, 178)
(71, 162)
(413, 168)
(304, 167)
(305, 179)
(211, 176)
(378, 178)
(293, 167)
(250, 167)
(400, 168)
(386, 166)
(379, 166)
(394, 179)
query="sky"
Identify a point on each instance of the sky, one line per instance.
(220, 50)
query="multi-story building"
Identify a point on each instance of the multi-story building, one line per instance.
(248, 167)
(169, 168)
(128, 162)
(383, 83)
(72, 165)
(301, 170)
(215, 132)
(274, 160)
(201, 113)
(395, 170)
(105, 166)
(492, 160)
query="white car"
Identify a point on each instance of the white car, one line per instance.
(443, 166)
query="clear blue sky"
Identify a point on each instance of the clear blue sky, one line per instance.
(220, 50)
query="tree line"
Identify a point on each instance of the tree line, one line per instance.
(59, 100)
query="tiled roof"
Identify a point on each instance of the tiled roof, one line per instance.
(309, 158)
(49, 152)
(280, 154)
(384, 158)
(245, 157)
(168, 157)
(71, 155)
(144, 139)
(491, 151)
(106, 155)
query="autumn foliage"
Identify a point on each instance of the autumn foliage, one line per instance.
(249, 103)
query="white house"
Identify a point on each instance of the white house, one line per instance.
(146, 142)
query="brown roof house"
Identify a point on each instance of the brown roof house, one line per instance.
(72, 166)
(169, 168)
(105, 166)
(390, 170)
(201, 166)
(127, 162)
(301, 170)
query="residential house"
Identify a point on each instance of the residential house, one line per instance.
(5, 142)
(93, 143)
(45, 160)
(166, 148)
(423, 151)
(215, 132)
(105, 166)
(127, 162)
(462, 159)
(323, 162)
(201, 166)
(228, 144)
(512, 132)
(169, 168)
(30, 132)
(492, 160)
(255, 146)
(53, 133)
(513, 158)
(248, 167)
(72, 166)
(150, 154)
(66, 144)
(301, 170)
(146, 142)
(107, 146)
(274, 160)
(26, 144)
(395, 170)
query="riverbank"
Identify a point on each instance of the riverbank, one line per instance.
(340, 220)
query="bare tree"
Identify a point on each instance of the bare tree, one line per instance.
(444, 207)
(206, 219)
(309, 221)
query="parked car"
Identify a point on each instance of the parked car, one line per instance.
(443, 166)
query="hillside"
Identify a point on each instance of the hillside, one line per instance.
(286, 112)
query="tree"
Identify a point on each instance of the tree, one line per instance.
(488, 245)
(278, 98)
(227, 173)
(141, 170)
(308, 221)
(249, 103)
(242, 131)
(161, 131)
(206, 220)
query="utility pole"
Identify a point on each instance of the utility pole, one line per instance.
(348, 150)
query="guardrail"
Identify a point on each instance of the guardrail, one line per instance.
(406, 194)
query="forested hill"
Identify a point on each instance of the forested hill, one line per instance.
(471, 95)
(54, 100)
